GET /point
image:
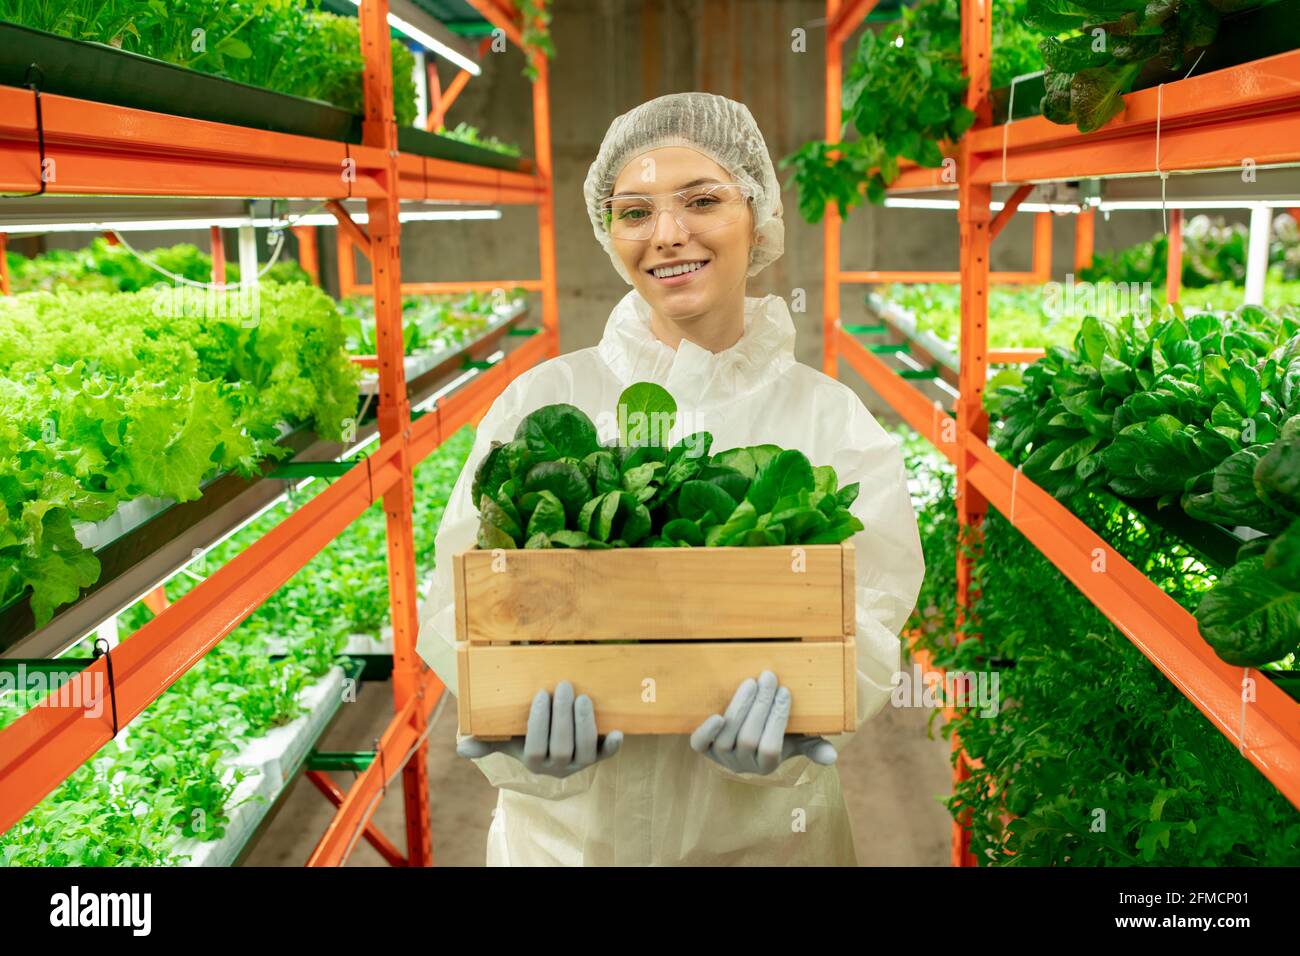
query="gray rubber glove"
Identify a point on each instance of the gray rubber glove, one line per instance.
(561, 738)
(751, 738)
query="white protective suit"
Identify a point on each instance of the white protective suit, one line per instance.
(657, 801)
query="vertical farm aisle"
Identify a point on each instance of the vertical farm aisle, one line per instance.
(893, 776)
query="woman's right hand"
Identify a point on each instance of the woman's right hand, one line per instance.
(561, 738)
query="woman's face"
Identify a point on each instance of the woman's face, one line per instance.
(722, 251)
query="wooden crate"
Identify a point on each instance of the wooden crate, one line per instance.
(705, 619)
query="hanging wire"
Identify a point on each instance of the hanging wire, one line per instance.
(277, 230)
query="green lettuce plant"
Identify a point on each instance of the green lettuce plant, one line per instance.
(289, 46)
(109, 398)
(130, 804)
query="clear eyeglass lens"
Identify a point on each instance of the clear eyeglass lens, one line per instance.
(697, 210)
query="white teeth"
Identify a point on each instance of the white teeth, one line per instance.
(665, 271)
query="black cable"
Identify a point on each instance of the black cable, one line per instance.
(40, 129)
(112, 684)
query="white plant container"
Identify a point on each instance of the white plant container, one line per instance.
(271, 760)
(417, 364)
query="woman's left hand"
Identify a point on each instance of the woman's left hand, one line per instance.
(751, 738)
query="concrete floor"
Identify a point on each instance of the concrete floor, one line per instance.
(892, 774)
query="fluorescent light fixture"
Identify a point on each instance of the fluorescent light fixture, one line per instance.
(1196, 204)
(908, 202)
(422, 215)
(180, 225)
(429, 43)
(166, 225)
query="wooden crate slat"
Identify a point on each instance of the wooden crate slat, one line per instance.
(653, 594)
(691, 681)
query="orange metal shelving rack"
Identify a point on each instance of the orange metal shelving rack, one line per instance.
(1214, 121)
(100, 149)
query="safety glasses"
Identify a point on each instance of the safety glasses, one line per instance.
(696, 209)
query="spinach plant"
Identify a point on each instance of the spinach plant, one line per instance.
(555, 486)
(1086, 722)
(1200, 412)
(1108, 42)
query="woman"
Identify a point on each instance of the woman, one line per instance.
(739, 790)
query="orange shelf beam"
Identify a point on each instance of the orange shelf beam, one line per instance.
(50, 741)
(1212, 121)
(401, 744)
(455, 286)
(848, 18)
(1269, 734)
(101, 149)
(1008, 210)
(374, 836)
(876, 276)
(929, 418)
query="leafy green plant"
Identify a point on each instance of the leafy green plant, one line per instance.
(130, 804)
(1109, 42)
(536, 21)
(1189, 411)
(1018, 316)
(1214, 252)
(904, 95)
(102, 267)
(430, 323)
(465, 133)
(1086, 722)
(555, 485)
(288, 46)
(110, 398)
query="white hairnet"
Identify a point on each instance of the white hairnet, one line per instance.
(715, 126)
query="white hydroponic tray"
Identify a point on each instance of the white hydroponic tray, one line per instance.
(419, 363)
(272, 758)
(129, 515)
(356, 644)
(905, 322)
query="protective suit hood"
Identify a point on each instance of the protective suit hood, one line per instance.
(693, 374)
(657, 801)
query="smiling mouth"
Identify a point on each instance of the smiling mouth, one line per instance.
(681, 272)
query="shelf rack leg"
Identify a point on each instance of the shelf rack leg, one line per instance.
(374, 836)
(379, 129)
(973, 219)
(831, 217)
(4, 263)
(1085, 227)
(218, 249)
(346, 262)
(1042, 246)
(546, 207)
(308, 257)
(433, 119)
(1174, 274)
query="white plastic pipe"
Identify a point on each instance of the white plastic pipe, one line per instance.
(1261, 222)
(247, 256)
